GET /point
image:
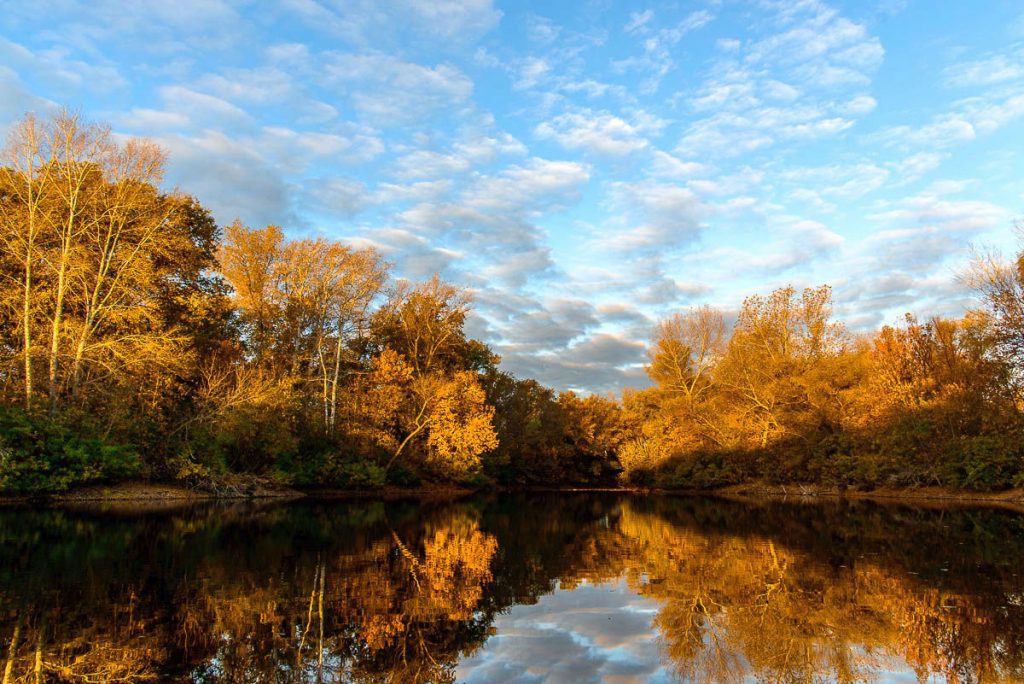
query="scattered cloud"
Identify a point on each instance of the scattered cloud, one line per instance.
(987, 71)
(597, 132)
(583, 169)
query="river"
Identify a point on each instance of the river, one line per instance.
(571, 587)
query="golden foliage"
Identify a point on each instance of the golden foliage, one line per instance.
(461, 425)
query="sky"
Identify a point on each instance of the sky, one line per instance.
(585, 167)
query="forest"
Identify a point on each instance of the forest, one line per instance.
(140, 340)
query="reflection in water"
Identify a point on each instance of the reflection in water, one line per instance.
(517, 588)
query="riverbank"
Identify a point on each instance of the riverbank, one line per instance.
(918, 496)
(154, 491)
(259, 489)
(138, 492)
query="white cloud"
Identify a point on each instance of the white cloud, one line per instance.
(150, 120)
(449, 20)
(916, 165)
(392, 91)
(858, 106)
(728, 44)
(531, 71)
(343, 197)
(430, 164)
(667, 166)
(596, 132)
(656, 60)
(638, 20)
(539, 184)
(942, 131)
(202, 109)
(656, 216)
(841, 182)
(823, 40)
(439, 24)
(542, 30)
(230, 177)
(987, 71)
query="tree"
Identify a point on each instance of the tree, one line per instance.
(113, 277)
(685, 349)
(1000, 283)
(461, 426)
(424, 323)
(776, 340)
(81, 153)
(304, 302)
(25, 187)
(250, 262)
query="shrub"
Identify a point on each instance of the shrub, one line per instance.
(983, 462)
(352, 474)
(404, 476)
(40, 455)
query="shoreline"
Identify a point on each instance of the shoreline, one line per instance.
(938, 498)
(173, 494)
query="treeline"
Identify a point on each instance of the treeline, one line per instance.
(140, 339)
(788, 395)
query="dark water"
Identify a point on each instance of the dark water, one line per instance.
(560, 588)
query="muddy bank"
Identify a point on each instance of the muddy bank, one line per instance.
(427, 492)
(918, 496)
(155, 495)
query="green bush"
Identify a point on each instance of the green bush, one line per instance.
(706, 470)
(403, 476)
(983, 462)
(40, 455)
(352, 474)
(477, 480)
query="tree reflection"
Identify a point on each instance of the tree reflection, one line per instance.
(740, 605)
(371, 592)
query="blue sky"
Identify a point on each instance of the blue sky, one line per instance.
(585, 167)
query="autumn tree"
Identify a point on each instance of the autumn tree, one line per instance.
(776, 341)
(424, 325)
(1000, 284)
(94, 238)
(424, 322)
(685, 349)
(25, 188)
(304, 304)
(250, 260)
(107, 283)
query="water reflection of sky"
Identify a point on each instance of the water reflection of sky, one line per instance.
(592, 633)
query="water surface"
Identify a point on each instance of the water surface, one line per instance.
(519, 588)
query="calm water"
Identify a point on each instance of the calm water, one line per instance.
(559, 588)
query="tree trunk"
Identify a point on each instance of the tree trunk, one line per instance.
(58, 316)
(12, 651)
(26, 321)
(334, 383)
(76, 365)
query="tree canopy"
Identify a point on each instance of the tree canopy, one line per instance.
(140, 339)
